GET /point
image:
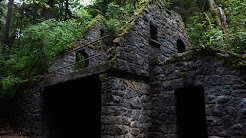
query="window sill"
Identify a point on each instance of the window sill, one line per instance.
(154, 43)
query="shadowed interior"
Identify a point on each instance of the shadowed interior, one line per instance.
(73, 109)
(190, 109)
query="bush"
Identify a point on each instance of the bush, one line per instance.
(32, 55)
(9, 85)
(204, 31)
(113, 27)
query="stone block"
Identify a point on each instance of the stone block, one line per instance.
(238, 129)
(239, 93)
(213, 121)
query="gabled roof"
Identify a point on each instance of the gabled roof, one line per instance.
(144, 8)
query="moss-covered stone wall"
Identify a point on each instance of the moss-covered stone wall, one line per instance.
(224, 91)
(95, 51)
(136, 48)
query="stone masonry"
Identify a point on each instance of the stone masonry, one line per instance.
(139, 75)
(88, 45)
(224, 84)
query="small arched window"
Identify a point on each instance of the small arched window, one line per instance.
(180, 46)
(81, 60)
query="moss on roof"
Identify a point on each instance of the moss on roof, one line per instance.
(230, 60)
(99, 18)
(144, 7)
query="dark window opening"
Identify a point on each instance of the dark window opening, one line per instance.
(153, 32)
(81, 60)
(180, 46)
(153, 36)
(101, 32)
(190, 109)
(69, 113)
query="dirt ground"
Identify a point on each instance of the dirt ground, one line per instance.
(6, 130)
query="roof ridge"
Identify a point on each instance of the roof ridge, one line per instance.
(144, 7)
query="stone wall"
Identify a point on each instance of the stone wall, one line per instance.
(134, 106)
(96, 52)
(57, 66)
(138, 91)
(125, 108)
(135, 47)
(27, 115)
(224, 83)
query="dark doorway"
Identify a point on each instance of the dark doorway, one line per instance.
(190, 109)
(180, 46)
(5, 106)
(73, 109)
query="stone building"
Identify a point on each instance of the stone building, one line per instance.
(148, 84)
(90, 45)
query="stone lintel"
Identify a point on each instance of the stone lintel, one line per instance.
(101, 68)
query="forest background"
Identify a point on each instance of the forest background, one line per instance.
(34, 32)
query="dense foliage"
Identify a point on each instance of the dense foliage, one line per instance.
(203, 30)
(42, 29)
(39, 44)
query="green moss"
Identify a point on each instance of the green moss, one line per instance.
(104, 77)
(178, 57)
(99, 18)
(91, 46)
(237, 64)
(235, 54)
(241, 64)
(126, 28)
(159, 4)
(184, 74)
(230, 60)
(187, 55)
(244, 56)
(168, 59)
(234, 61)
(141, 9)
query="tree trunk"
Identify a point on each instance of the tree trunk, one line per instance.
(218, 14)
(214, 11)
(118, 2)
(8, 23)
(47, 11)
(68, 14)
(222, 19)
(211, 3)
(202, 5)
(35, 13)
